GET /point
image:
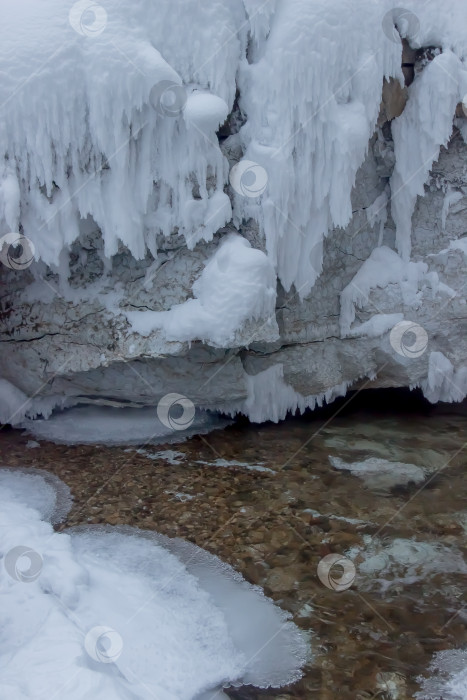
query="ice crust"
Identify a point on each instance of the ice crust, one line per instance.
(178, 622)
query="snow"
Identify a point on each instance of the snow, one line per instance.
(382, 268)
(205, 112)
(377, 325)
(237, 284)
(122, 613)
(443, 382)
(109, 122)
(128, 127)
(423, 127)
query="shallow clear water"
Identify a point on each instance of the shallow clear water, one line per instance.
(275, 524)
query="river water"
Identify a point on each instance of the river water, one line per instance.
(275, 500)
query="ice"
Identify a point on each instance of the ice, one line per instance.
(15, 405)
(112, 128)
(116, 426)
(323, 91)
(386, 564)
(105, 132)
(384, 267)
(227, 463)
(377, 325)
(424, 126)
(107, 612)
(127, 132)
(381, 474)
(42, 491)
(449, 679)
(271, 398)
(444, 383)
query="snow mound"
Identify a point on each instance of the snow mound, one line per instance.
(120, 613)
(237, 284)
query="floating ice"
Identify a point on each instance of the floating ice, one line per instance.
(42, 491)
(449, 677)
(381, 474)
(116, 426)
(122, 613)
(403, 562)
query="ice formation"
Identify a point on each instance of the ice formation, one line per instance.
(427, 124)
(384, 564)
(120, 613)
(448, 679)
(384, 267)
(269, 395)
(381, 474)
(110, 119)
(116, 426)
(127, 134)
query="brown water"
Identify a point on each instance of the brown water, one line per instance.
(371, 640)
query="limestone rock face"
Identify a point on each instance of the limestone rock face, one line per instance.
(73, 340)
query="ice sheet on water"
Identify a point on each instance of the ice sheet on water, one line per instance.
(116, 426)
(126, 614)
(37, 489)
(385, 564)
(449, 677)
(381, 474)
